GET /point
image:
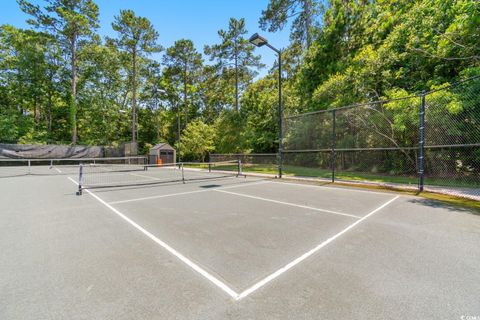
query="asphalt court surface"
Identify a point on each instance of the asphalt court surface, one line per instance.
(232, 248)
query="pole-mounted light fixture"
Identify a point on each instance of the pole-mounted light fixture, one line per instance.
(259, 41)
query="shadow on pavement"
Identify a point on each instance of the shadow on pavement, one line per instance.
(444, 205)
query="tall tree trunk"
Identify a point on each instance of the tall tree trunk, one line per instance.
(49, 115)
(35, 95)
(185, 94)
(134, 95)
(307, 9)
(237, 107)
(35, 116)
(73, 102)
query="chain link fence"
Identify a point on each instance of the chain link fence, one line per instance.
(252, 162)
(429, 141)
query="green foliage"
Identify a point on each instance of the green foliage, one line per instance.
(73, 23)
(230, 132)
(136, 38)
(31, 81)
(183, 67)
(278, 12)
(216, 92)
(9, 129)
(260, 112)
(136, 34)
(197, 141)
(235, 52)
(63, 81)
(366, 49)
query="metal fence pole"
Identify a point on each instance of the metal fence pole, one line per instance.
(239, 168)
(280, 117)
(421, 145)
(183, 172)
(334, 143)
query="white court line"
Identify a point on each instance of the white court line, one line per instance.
(164, 245)
(290, 265)
(217, 282)
(290, 204)
(331, 188)
(59, 171)
(187, 192)
(158, 196)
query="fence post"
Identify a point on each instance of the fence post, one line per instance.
(183, 172)
(334, 143)
(421, 145)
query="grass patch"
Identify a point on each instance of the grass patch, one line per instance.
(297, 171)
(454, 201)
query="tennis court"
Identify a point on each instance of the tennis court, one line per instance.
(199, 242)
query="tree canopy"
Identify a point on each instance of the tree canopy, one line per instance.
(60, 82)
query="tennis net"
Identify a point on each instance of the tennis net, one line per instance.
(22, 167)
(92, 176)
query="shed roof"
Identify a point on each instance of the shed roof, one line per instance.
(161, 146)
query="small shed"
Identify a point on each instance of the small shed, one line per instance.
(162, 153)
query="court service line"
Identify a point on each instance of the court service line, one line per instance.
(164, 245)
(186, 192)
(290, 265)
(289, 204)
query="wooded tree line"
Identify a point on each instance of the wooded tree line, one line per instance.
(60, 82)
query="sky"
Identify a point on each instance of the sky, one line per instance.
(197, 20)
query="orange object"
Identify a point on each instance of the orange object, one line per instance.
(159, 162)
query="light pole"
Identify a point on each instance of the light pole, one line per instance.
(179, 132)
(260, 41)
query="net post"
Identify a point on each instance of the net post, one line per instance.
(183, 173)
(29, 166)
(80, 180)
(51, 164)
(421, 145)
(209, 167)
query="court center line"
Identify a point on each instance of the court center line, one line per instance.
(290, 204)
(290, 265)
(164, 245)
(184, 193)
